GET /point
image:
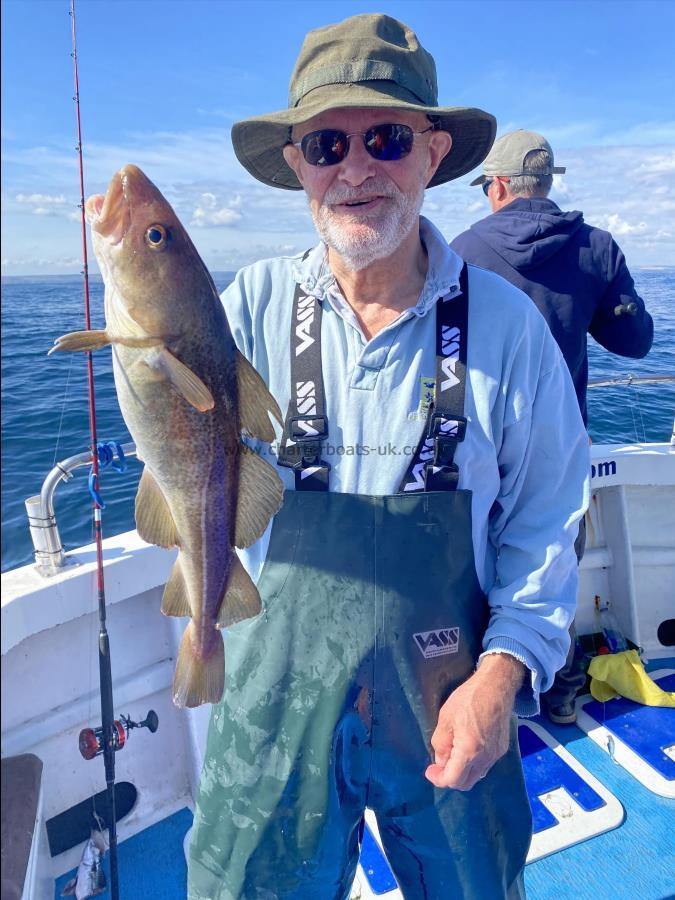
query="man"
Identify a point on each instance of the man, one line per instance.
(419, 580)
(578, 278)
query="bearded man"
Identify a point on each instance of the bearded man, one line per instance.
(419, 580)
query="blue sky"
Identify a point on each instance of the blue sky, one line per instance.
(161, 82)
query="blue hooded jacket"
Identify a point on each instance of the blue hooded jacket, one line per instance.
(575, 273)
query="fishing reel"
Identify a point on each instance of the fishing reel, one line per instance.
(92, 741)
(626, 309)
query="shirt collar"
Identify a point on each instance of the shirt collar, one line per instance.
(313, 273)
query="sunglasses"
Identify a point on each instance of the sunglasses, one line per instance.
(486, 186)
(328, 146)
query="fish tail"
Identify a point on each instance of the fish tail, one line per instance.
(199, 678)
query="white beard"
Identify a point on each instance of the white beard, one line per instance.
(360, 240)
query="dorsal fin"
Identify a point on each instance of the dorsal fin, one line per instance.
(259, 497)
(256, 404)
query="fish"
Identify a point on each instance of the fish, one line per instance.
(90, 880)
(188, 397)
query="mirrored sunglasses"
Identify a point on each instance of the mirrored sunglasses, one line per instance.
(328, 146)
(486, 186)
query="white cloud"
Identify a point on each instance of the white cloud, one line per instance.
(210, 213)
(48, 263)
(41, 199)
(619, 227)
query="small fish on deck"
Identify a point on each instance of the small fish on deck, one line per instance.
(187, 396)
(90, 880)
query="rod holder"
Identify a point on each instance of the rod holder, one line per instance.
(49, 555)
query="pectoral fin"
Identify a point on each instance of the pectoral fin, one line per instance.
(259, 497)
(241, 600)
(185, 381)
(94, 340)
(80, 341)
(154, 521)
(256, 404)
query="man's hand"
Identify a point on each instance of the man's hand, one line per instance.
(474, 722)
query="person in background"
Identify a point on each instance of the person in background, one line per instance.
(577, 277)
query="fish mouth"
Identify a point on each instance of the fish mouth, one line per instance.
(129, 191)
(110, 215)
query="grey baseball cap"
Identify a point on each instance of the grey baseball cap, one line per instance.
(509, 153)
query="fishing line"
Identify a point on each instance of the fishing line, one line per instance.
(631, 407)
(63, 408)
(105, 670)
(636, 399)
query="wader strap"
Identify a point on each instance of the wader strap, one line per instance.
(306, 425)
(433, 467)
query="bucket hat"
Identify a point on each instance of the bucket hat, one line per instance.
(509, 156)
(372, 61)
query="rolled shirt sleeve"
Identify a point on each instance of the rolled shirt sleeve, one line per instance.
(544, 465)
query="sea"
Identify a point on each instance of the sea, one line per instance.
(45, 412)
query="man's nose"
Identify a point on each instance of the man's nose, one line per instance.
(358, 165)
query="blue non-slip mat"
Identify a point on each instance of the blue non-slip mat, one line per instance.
(646, 730)
(151, 864)
(631, 861)
(545, 771)
(374, 864)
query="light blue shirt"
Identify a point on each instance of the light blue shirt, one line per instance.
(525, 457)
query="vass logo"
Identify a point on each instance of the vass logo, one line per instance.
(305, 399)
(305, 396)
(450, 336)
(437, 643)
(305, 320)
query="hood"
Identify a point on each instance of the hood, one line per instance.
(529, 231)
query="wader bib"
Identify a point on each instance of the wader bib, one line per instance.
(372, 615)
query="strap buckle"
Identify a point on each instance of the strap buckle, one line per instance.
(307, 434)
(453, 427)
(447, 432)
(304, 429)
(441, 477)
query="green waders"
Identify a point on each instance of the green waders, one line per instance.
(372, 616)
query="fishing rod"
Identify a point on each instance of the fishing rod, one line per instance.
(631, 379)
(109, 731)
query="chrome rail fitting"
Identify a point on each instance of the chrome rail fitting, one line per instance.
(50, 558)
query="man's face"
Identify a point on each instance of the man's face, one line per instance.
(362, 207)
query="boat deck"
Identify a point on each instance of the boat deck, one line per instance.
(634, 859)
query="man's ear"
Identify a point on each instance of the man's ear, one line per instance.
(440, 143)
(293, 159)
(502, 189)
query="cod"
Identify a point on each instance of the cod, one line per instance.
(187, 396)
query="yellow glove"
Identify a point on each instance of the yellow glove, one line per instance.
(623, 674)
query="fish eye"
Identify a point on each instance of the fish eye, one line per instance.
(157, 237)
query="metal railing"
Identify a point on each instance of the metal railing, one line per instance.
(50, 557)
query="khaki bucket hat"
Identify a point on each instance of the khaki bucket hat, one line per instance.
(369, 60)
